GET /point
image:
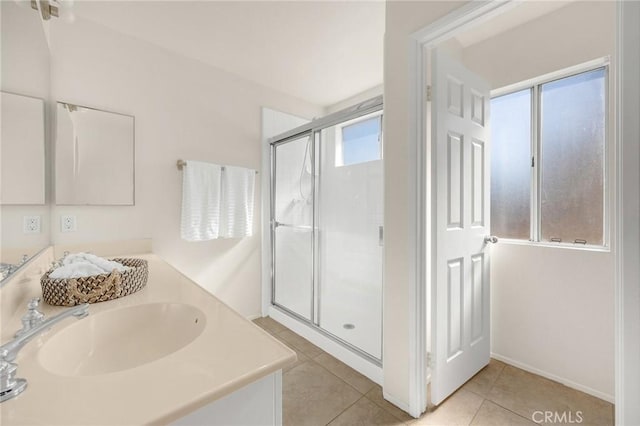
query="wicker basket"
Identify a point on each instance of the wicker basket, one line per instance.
(96, 288)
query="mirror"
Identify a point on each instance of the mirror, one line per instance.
(94, 156)
(22, 147)
(25, 84)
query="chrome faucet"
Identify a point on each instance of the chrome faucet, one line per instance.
(7, 269)
(11, 386)
(58, 263)
(32, 318)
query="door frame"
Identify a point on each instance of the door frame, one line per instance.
(627, 274)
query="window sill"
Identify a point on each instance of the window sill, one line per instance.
(566, 246)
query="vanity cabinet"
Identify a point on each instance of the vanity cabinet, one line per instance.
(230, 373)
(257, 404)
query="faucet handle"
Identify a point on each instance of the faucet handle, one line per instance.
(32, 318)
(58, 263)
(34, 303)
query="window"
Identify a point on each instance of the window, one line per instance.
(359, 141)
(511, 165)
(548, 160)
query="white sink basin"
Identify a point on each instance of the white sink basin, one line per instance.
(121, 339)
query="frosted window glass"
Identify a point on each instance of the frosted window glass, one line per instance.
(361, 141)
(511, 165)
(572, 166)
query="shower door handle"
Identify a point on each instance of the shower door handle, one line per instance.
(381, 236)
(277, 224)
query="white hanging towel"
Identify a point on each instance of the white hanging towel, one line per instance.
(236, 219)
(201, 197)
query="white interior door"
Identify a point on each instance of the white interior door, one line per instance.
(460, 272)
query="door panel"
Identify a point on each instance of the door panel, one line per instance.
(460, 272)
(293, 226)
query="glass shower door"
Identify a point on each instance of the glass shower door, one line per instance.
(326, 227)
(292, 225)
(350, 237)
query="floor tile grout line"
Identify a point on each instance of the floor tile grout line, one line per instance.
(301, 350)
(505, 408)
(363, 395)
(343, 411)
(510, 410)
(322, 352)
(493, 384)
(477, 411)
(341, 379)
(386, 410)
(382, 406)
(347, 383)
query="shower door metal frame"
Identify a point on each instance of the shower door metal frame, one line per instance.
(274, 223)
(313, 129)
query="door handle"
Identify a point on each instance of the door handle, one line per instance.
(490, 239)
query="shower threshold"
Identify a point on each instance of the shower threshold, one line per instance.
(360, 361)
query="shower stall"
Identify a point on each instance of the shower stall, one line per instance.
(327, 229)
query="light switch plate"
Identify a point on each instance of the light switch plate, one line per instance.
(31, 224)
(67, 223)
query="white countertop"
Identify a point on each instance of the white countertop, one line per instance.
(230, 353)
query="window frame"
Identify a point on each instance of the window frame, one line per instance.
(534, 85)
(339, 154)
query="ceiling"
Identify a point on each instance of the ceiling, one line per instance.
(519, 13)
(319, 51)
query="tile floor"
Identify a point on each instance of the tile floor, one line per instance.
(320, 390)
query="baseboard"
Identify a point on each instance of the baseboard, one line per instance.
(252, 317)
(564, 381)
(395, 401)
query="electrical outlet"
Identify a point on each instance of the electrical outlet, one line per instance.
(31, 224)
(67, 223)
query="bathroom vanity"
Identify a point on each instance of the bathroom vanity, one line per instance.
(168, 354)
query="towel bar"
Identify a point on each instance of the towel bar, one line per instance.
(182, 164)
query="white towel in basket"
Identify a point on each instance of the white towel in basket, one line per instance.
(85, 265)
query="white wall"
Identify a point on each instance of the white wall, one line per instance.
(628, 299)
(25, 71)
(183, 109)
(402, 19)
(354, 100)
(552, 312)
(549, 306)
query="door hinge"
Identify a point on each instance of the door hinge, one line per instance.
(533, 161)
(429, 360)
(428, 93)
